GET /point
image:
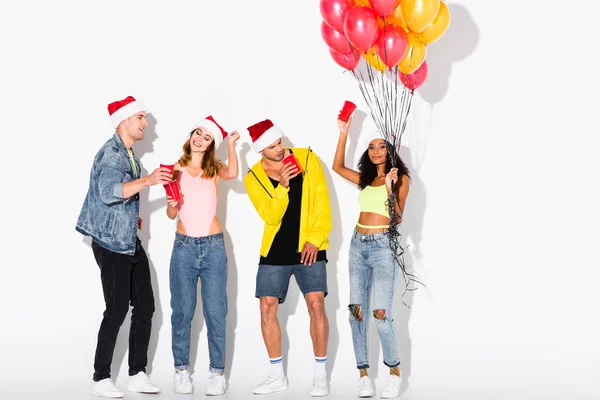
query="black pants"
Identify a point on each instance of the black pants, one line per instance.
(125, 279)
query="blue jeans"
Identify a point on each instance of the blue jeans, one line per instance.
(274, 280)
(372, 268)
(193, 258)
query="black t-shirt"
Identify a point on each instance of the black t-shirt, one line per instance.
(284, 250)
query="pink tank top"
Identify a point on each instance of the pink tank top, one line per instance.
(198, 206)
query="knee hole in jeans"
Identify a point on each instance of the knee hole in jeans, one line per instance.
(356, 311)
(379, 314)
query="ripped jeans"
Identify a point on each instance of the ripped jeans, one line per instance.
(372, 269)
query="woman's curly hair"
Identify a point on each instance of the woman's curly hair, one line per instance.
(368, 170)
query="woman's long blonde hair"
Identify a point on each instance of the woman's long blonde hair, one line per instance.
(210, 165)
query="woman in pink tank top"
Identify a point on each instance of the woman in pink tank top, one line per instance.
(199, 252)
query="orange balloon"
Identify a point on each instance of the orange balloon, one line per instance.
(397, 19)
(362, 3)
(414, 56)
(418, 14)
(438, 27)
(373, 59)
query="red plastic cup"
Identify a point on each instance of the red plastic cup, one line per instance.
(172, 189)
(170, 167)
(293, 160)
(347, 111)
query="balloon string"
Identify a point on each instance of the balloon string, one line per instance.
(389, 102)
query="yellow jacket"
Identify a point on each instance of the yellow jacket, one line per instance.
(271, 203)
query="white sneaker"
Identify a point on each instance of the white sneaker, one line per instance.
(141, 383)
(392, 389)
(320, 387)
(106, 388)
(216, 385)
(365, 387)
(272, 384)
(182, 382)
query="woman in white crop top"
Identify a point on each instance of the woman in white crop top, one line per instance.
(199, 252)
(373, 266)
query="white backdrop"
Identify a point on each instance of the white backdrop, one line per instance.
(501, 218)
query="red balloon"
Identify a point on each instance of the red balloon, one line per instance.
(361, 27)
(348, 61)
(392, 45)
(335, 40)
(384, 8)
(416, 79)
(334, 12)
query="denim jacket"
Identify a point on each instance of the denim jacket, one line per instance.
(106, 216)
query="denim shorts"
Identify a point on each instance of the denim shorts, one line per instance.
(274, 280)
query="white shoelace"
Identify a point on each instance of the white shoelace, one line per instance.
(393, 382)
(111, 387)
(320, 382)
(270, 379)
(214, 379)
(364, 383)
(183, 377)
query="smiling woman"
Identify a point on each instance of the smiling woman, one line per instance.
(373, 263)
(199, 236)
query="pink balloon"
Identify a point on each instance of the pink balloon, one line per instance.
(416, 79)
(347, 61)
(334, 12)
(391, 45)
(361, 27)
(384, 8)
(335, 40)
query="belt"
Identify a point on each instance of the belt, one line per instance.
(371, 230)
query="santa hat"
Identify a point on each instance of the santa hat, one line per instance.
(263, 134)
(212, 128)
(370, 137)
(122, 109)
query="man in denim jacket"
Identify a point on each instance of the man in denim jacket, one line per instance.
(110, 216)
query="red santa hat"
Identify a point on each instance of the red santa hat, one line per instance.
(212, 128)
(263, 134)
(122, 109)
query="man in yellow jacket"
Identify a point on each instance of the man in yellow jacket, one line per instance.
(288, 189)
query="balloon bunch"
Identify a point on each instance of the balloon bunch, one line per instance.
(387, 33)
(392, 37)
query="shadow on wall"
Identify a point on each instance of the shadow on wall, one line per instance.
(459, 41)
(332, 301)
(457, 44)
(411, 232)
(225, 188)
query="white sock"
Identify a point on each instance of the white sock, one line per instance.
(277, 366)
(320, 363)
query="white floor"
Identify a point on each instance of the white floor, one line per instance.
(81, 391)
